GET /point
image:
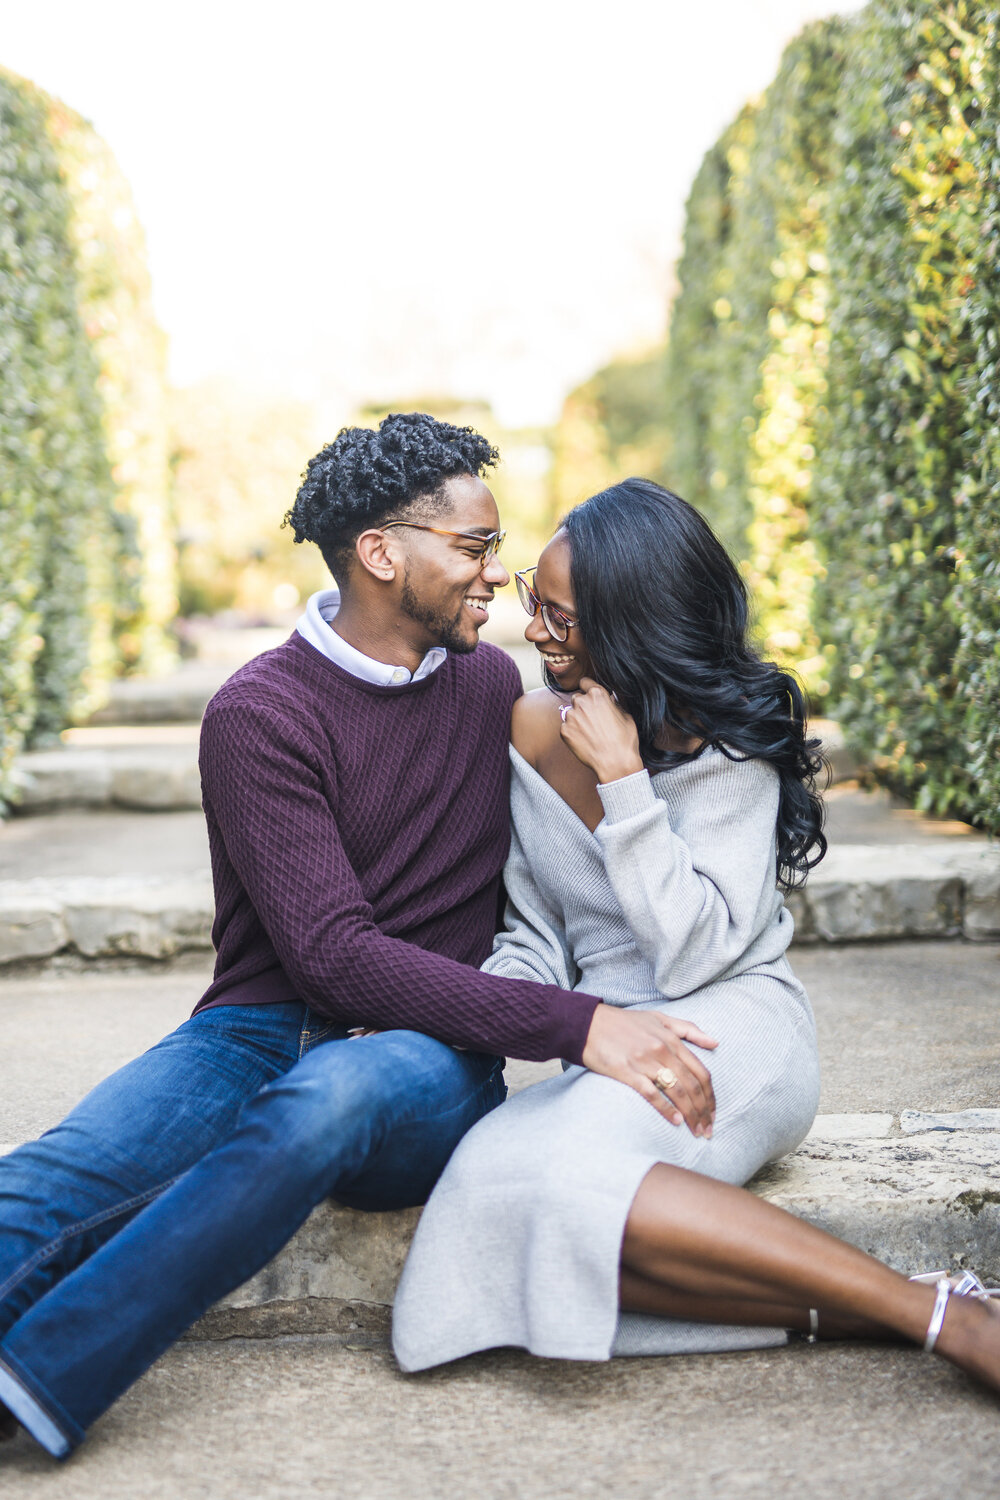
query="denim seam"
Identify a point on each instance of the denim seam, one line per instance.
(47, 1250)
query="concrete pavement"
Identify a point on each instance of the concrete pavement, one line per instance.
(331, 1416)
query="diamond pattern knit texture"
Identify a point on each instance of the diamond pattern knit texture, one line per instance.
(358, 835)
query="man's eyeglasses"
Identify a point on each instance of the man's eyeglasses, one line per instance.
(491, 543)
(555, 621)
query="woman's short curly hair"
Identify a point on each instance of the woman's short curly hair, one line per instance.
(367, 475)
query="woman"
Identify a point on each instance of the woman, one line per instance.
(660, 796)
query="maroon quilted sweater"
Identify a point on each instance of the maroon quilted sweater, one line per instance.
(358, 835)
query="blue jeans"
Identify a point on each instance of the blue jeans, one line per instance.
(186, 1171)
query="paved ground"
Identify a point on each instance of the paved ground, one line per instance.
(902, 1026)
(279, 1419)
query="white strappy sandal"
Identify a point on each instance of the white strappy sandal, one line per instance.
(949, 1284)
(958, 1284)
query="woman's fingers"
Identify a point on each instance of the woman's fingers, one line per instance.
(633, 1046)
(690, 1032)
(700, 1074)
(693, 1094)
(685, 1092)
(657, 1098)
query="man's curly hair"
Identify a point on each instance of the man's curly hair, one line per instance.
(367, 476)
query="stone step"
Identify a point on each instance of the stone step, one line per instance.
(96, 769)
(919, 1196)
(154, 778)
(859, 892)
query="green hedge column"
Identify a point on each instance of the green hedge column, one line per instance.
(718, 330)
(977, 516)
(55, 485)
(899, 450)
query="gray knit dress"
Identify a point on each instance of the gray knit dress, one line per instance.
(670, 905)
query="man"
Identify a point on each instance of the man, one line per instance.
(355, 787)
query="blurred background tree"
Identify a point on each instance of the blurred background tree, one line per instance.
(611, 427)
(237, 458)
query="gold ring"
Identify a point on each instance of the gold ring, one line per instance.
(665, 1080)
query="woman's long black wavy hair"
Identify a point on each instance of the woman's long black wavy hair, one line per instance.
(664, 615)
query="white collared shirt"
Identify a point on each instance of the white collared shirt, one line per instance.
(314, 627)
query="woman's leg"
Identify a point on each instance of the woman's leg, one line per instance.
(744, 1305)
(714, 1245)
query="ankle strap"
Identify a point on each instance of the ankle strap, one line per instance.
(944, 1290)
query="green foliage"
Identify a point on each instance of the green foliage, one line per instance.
(787, 190)
(718, 336)
(64, 544)
(833, 381)
(908, 493)
(748, 339)
(55, 487)
(977, 522)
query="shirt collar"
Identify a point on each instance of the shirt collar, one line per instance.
(314, 627)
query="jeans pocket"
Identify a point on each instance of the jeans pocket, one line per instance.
(317, 1029)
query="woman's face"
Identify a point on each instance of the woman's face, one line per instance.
(567, 660)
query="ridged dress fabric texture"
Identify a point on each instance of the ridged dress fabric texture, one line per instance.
(671, 904)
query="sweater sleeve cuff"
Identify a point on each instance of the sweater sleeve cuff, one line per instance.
(626, 798)
(572, 1026)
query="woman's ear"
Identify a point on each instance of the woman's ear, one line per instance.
(375, 551)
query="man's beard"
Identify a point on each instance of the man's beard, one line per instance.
(447, 632)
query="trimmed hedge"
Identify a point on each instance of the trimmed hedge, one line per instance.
(717, 340)
(833, 400)
(55, 482)
(63, 548)
(907, 499)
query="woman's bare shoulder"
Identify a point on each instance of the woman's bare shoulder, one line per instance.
(534, 723)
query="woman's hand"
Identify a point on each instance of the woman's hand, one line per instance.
(633, 1045)
(600, 734)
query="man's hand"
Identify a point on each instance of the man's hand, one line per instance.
(600, 734)
(633, 1045)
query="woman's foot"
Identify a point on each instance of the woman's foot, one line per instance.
(970, 1338)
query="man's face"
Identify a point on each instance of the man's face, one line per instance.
(445, 587)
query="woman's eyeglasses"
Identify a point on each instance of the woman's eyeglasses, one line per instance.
(491, 543)
(555, 621)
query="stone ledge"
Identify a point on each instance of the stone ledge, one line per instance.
(917, 1204)
(105, 918)
(860, 892)
(900, 890)
(155, 778)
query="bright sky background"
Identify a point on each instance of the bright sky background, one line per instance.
(383, 200)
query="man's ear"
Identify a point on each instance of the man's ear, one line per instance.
(375, 551)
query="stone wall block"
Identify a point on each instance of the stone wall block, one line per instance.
(31, 921)
(915, 1202)
(60, 778)
(979, 869)
(126, 919)
(157, 782)
(870, 891)
(338, 1253)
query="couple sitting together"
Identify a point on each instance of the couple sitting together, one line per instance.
(365, 814)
